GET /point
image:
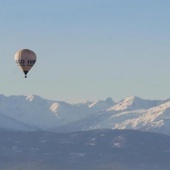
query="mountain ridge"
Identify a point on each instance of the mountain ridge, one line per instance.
(130, 113)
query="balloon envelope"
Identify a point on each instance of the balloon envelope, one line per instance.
(25, 59)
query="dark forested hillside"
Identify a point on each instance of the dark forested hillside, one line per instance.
(97, 150)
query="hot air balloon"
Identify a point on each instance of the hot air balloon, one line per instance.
(25, 59)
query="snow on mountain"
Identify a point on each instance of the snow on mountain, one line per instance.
(102, 104)
(130, 113)
(36, 111)
(31, 110)
(134, 103)
(154, 119)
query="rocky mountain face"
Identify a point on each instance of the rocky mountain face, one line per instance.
(92, 150)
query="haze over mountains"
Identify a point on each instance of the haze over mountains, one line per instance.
(33, 134)
(29, 113)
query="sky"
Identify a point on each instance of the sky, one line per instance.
(87, 49)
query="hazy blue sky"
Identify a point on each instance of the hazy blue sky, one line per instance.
(87, 49)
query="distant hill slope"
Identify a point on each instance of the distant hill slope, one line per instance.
(92, 150)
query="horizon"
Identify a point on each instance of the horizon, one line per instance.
(87, 50)
(85, 101)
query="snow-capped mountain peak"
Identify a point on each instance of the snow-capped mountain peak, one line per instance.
(130, 113)
(30, 98)
(102, 104)
(131, 102)
(136, 103)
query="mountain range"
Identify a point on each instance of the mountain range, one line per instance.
(41, 134)
(29, 113)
